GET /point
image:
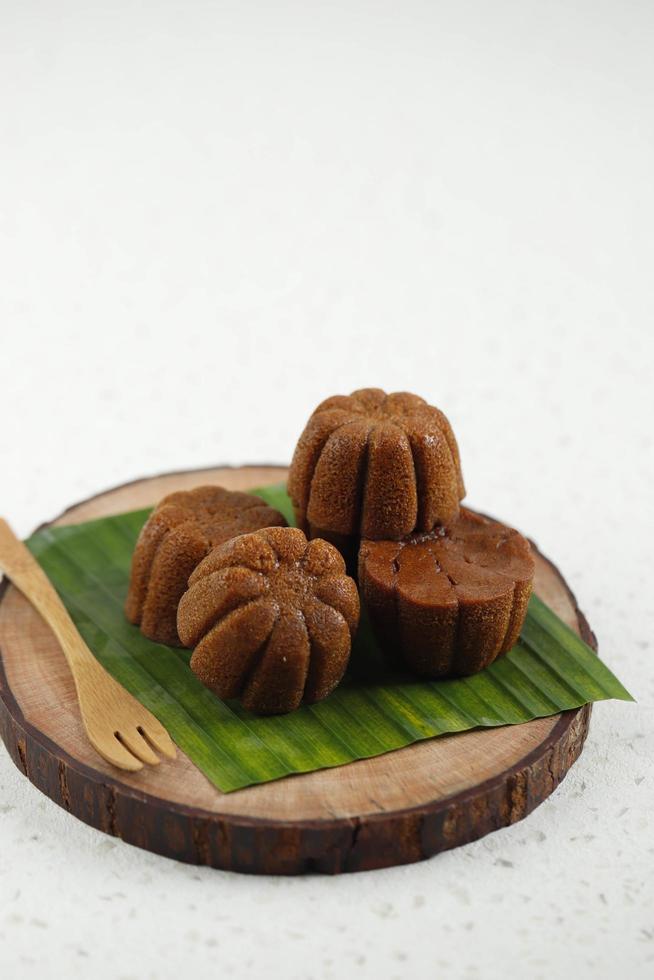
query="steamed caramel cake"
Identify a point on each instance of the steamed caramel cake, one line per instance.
(181, 530)
(375, 465)
(270, 617)
(449, 601)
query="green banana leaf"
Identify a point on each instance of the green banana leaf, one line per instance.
(373, 711)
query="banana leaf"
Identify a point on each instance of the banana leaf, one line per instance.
(375, 709)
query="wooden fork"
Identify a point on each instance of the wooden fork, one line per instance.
(124, 732)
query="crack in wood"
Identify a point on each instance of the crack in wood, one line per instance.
(201, 843)
(63, 786)
(357, 825)
(22, 755)
(111, 811)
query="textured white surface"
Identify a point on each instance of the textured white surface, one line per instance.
(214, 215)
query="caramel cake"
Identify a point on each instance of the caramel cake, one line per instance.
(376, 466)
(181, 530)
(271, 618)
(449, 601)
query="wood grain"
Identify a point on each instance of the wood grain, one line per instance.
(399, 807)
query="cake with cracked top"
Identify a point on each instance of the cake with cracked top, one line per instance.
(450, 601)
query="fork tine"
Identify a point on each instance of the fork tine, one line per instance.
(115, 753)
(138, 746)
(157, 735)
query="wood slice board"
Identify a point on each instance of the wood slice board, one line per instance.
(396, 808)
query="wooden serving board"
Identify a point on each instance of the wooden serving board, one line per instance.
(399, 807)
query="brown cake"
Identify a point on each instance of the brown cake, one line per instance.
(375, 465)
(181, 530)
(449, 601)
(271, 618)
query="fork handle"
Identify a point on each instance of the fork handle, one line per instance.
(27, 575)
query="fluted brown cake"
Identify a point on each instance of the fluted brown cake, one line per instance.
(181, 530)
(375, 465)
(450, 601)
(271, 618)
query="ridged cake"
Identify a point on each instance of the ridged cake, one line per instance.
(271, 619)
(181, 530)
(376, 466)
(450, 601)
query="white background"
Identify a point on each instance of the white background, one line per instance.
(213, 215)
